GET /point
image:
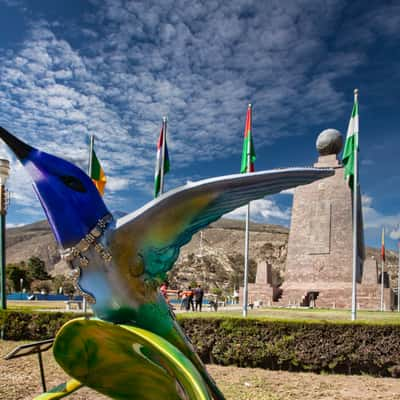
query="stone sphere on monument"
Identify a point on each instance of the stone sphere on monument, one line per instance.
(329, 141)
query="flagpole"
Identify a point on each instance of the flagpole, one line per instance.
(355, 227)
(164, 140)
(246, 264)
(246, 247)
(382, 268)
(398, 280)
(91, 148)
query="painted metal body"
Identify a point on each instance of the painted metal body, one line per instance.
(136, 348)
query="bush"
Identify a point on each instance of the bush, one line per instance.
(297, 345)
(20, 325)
(39, 286)
(290, 345)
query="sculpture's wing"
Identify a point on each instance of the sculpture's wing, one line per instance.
(156, 232)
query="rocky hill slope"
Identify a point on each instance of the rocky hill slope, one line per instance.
(214, 257)
(32, 240)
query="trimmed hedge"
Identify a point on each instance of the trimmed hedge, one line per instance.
(297, 345)
(27, 325)
(349, 348)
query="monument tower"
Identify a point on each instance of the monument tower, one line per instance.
(319, 261)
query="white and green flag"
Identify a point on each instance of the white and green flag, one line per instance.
(351, 146)
(162, 152)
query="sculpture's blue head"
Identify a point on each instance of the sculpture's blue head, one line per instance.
(68, 196)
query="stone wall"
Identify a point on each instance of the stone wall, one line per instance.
(320, 256)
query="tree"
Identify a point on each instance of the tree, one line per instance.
(41, 286)
(58, 282)
(193, 284)
(9, 286)
(16, 272)
(37, 269)
(217, 292)
(68, 288)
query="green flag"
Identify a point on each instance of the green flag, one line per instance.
(351, 145)
(162, 142)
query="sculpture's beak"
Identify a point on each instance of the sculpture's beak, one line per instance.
(21, 149)
(68, 196)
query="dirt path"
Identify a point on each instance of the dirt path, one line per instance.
(19, 379)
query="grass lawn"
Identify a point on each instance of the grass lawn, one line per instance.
(267, 313)
(16, 305)
(37, 305)
(305, 314)
(19, 379)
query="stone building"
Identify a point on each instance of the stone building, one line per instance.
(262, 292)
(319, 259)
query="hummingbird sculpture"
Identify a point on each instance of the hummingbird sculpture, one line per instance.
(134, 348)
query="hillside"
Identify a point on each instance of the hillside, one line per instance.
(213, 257)
(32, 240)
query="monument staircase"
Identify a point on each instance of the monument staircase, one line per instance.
(368, 296)
(299, 298)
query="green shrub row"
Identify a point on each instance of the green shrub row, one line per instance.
(297, 345)
(27, 325)
(272, 344)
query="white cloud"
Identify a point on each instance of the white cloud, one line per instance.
(395, 234)
(374, 218)
(16, 225)
(262, 210)
(200, 65)
(63, 74)
(115, 184)
(366, 201)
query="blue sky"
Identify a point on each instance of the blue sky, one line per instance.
(113, 68)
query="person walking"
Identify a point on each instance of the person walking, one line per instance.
(164, 292)
(190, 295)
(198, 297)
